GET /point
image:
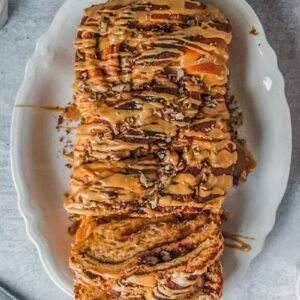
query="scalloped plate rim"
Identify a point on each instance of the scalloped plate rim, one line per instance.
(29, 215)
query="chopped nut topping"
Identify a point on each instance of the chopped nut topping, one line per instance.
(144, 181)
(98, 138)
(89, 149)
(153, 203)
(118, 88)
(161, 155)
(84, 75)
(151, 260)
(103, 27)
(165, 256)
(194, 79)
(191, 22)
(180, 74)
(81, 86)
(179, 117)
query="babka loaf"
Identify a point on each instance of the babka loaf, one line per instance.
(154, 156)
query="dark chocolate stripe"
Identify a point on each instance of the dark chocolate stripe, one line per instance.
(166, 90)
(173, 17)
(150, 7)
(191, 5)
(221, 26)
(222, 171)
(153, 99)
(126, 48)
(204, 126)
(113, 7)
(160, 257)
(155, 63)
(169, 46)
(157, 27)
(130, 105)
(138, 140)
(162, 55)
(209, 41)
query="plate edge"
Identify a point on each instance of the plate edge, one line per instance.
(31, 220)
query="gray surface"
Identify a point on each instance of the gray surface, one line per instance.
(273, 273)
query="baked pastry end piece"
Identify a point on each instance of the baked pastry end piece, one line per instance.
(160, 258)
(209, 288)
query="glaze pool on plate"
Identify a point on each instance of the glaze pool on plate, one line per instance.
(42, 179)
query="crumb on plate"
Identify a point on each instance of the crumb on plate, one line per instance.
(253, 31)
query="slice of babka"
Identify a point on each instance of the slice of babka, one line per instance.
(155, 258)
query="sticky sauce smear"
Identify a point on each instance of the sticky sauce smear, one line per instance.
(49, 108)
(69, 113)
(235, 241)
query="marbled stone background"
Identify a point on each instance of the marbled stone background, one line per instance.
(272, 275)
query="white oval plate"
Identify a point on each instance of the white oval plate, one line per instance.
(41, 178)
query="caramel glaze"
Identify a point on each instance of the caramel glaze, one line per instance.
(69, 113)
(154, 142)
(237, 241)
(48, 108)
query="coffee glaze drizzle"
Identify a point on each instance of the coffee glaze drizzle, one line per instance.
(237, 241)
(69, 113)
(47, 108)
